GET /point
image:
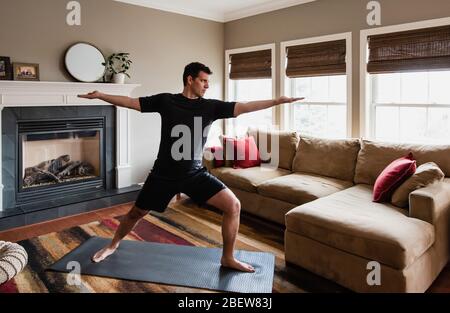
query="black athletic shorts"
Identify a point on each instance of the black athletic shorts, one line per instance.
(158, 191)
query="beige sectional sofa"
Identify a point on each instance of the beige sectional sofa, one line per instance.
(322, 193)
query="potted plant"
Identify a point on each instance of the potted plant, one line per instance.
(118, 64)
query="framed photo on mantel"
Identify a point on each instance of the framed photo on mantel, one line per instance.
(26, 71)
(5, 68)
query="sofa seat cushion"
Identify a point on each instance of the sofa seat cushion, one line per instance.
(299, 188)
(246, 178)
(350, 221)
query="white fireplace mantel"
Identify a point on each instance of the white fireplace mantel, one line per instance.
(40, 93)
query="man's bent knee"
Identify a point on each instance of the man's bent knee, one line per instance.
(226, 201)
(235, 207)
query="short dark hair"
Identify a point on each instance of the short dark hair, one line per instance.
(193, 69)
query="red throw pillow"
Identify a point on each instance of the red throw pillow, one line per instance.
(246, 153)
(393, 176)
(218, 156)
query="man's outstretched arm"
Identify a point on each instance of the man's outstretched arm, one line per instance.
(246, 107)
(121, 101)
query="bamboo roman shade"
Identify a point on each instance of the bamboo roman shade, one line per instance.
(415, 50)
(251, 65)
(317, 59)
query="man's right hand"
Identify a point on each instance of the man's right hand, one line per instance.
(92, 95)
(121, 101)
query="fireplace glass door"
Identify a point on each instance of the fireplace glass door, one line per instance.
(59, 157)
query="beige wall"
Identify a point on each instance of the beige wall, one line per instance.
(324, 17)
(160, 44)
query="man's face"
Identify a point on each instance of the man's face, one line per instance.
(200, 84)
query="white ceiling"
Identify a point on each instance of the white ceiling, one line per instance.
(217, 10)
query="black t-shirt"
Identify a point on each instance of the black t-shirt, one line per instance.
(184, 128)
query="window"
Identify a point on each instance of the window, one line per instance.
(324, 113)
(249, 77)
(408, 75)
(250, 90)
(411, 107)
(318, 69)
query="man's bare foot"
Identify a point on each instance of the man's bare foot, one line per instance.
(104, 253)
(237, 265)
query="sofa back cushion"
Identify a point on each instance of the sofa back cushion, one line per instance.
(286, 140)
(375, 156)
(327, 157)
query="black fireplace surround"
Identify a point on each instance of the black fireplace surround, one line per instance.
(67, 198)
(36, 120)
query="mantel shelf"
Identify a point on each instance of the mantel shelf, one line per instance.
(23, 93)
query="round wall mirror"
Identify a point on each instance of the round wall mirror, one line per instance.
(84, 62)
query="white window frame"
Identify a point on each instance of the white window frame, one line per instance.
(286, 109)
(367, 111)
(229, 91)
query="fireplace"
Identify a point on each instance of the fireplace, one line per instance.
(57, 152)
(61, 154)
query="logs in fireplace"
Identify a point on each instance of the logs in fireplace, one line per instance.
(58, 170)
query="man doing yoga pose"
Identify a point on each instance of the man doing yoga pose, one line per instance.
(177, 171)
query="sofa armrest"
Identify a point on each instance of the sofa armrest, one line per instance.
(429, 203)
(207, 159)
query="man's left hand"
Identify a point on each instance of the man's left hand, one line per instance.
(284, 99)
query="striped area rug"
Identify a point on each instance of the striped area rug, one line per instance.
(183, 223)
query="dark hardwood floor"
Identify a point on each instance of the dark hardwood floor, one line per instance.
(30, 231)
